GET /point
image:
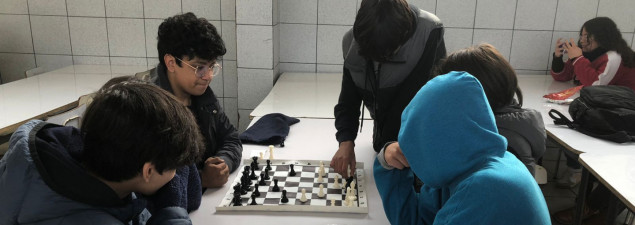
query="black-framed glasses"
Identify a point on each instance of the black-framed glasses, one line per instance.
(201, 71)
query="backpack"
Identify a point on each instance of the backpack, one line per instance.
(606, 112)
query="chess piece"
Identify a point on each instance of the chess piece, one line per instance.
(348, 170)
(332, 202)
(256, 191)
(275, 186)
(321, 193)
(253, 176)
(261, 155)
(303, 197)
(336, 183)
(320, 179)
(284, 197)
(353, 186)
(268, 164)
(321, 170)
(255, 163)
(253, 200)
(292, 172)
(348, 193)
(246, 169)
(267, 174)
(262, 179)
(270, 152)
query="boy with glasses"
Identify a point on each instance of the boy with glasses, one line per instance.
(189, 48)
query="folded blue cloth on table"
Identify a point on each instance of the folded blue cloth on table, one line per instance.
(271, 129)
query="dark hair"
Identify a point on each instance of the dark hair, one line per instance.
(381, 26)
(134, 122)
(605, 32)
(187, 35)
(488, 66)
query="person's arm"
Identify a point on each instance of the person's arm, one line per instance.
(231, 149)
(602, 75)
(170, 216)
(347, 110)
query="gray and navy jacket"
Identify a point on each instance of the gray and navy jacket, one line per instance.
(43, 182)
(221, 137)
(387, 93)
(525, 133)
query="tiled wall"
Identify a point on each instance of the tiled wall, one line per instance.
(55, 33)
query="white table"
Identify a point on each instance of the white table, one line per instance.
(616, 171)
(309, 139)
(303, 95)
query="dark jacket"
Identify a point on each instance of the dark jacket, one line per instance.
(525, 133)
(43, 182)
(221, 137)
(386, 95)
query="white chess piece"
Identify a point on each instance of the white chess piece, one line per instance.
(332, 202)
(348, 170)
(320, 178)
(321, 193)
(348, 193)
(303, 197)
(261, 155)
(270, 152)
(336, 184)
(353, 186)
(321, 171)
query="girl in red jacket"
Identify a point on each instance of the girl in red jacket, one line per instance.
(601, 56)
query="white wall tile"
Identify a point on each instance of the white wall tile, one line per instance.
(153, 62)
(632, 43)
(276, 45)
(495, 14)
(253, 86)
(535, 14)
(297, 67)
(14, 7)
(217, 25)
(298, 43)
(341, 12)
(230, 78)
(229, 37)
(254, 12)
(298, 11)
(457, 38)
(427, 5)
(209, 9)
(88, 36)
(217, 84)
(456, 13)
(620, 11)
(501, 39)
(91, 60)
(276, 12)
(53, 62)
(128, 61)
(124, 8)
(15, 34)
(92, 8)
(329, 43)
(228, 10)
(47, 7)
(161, 8)
(530, 50)
(19, 63)
(126, 37)
(230, 106)
(254, 46)
(243, 119)
(324, 68)
(151, 29)
(572, 14)
(628, 37)
(50, 34)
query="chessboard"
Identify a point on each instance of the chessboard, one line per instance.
(241, 195)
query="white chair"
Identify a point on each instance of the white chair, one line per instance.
(33, 72)
(73, 116)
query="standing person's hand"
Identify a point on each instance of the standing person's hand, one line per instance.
(215, 173)
(572, 48)
(394, 157)
(559, 47)
(344, 157)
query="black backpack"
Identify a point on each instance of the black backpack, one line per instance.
(606, 112)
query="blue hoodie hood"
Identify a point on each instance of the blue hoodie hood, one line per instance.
(447, 149)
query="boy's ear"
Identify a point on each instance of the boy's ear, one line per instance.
(170, 62)
(148, 171)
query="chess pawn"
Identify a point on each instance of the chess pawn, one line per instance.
(270, 152)
(336, 184)
(332, 202)
(321, 193)
(353, 186)
(320, 179)
(321, 171)
(261, 155)
(303, 197)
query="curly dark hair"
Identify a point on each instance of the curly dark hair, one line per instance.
(187, 35)
(381, 26)
(605, 32)
(132, 122)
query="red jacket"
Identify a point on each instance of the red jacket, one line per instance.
(607, 69)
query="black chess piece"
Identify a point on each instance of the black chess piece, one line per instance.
(275, 186)
(253, 200)
(246, 169)
(255, 163)
(268, 164)
(292, 172)
(253, 176)
(267, 174)
(256, 191)
(262, 179)
(284, 197)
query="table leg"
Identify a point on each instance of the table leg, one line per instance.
(581, 199)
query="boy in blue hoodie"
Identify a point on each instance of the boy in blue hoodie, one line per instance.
(448, 138)
(133, 137)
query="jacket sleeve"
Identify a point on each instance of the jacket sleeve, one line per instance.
(231, 149)
(170, 216)
(347, 110)
(600, 75)
(565, 74)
